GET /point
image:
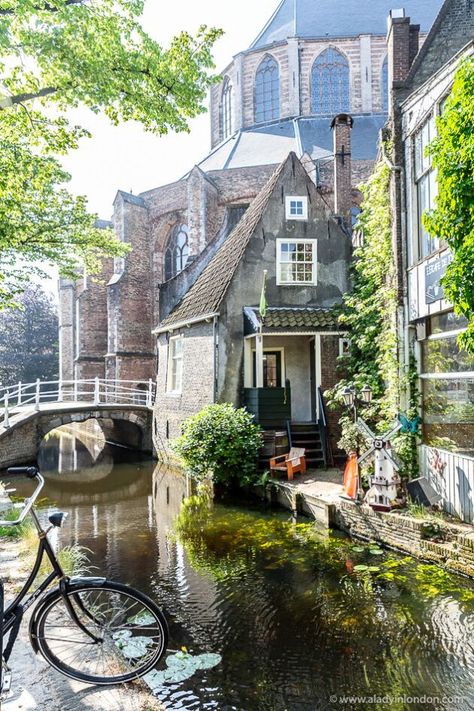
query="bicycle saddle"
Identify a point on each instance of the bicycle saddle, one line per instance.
(56, 519)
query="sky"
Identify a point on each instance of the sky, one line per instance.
(128, 158)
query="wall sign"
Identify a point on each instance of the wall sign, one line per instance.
(434, 272)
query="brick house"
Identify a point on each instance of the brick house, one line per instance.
(419, 83)
(214, 346)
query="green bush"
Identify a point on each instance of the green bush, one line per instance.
(223, 442)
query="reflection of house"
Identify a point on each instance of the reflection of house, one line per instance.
(419, 90)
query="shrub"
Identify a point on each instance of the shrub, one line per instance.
(221, 441)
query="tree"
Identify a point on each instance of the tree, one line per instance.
(453, 218)
(57, 54)
(29, 339)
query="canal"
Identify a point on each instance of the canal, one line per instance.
(299, 619)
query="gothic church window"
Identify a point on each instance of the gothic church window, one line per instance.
(267, 91)
(330, 83)
(177, 252)
(385, 85)
(226, 109)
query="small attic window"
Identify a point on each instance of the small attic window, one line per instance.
(296, 207)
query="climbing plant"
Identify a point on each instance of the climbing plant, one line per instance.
(453, 218)
(369, 315)
(369, 311)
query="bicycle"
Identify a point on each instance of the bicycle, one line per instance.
(91, 629)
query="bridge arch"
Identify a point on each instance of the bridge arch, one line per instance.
(131, 426)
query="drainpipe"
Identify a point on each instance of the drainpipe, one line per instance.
(215, 335)
(403, 313)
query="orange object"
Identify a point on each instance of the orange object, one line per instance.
(351, 477)
(290, 463)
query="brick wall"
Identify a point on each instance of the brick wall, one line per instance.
(452, 30)
(198, 380)
(364, 54)
(91, 327)
(405, 533)
(329, 377)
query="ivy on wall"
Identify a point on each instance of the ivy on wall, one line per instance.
(369, 315)
(453, 218)
(369, 312)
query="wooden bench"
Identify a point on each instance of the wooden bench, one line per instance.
(291, 463)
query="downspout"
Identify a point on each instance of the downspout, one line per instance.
(403, 313)
(215, 338)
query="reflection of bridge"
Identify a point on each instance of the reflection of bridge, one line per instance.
(28, 411)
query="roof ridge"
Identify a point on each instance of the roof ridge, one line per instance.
(221, 269)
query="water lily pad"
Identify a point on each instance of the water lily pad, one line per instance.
(375, 551)
(143, 618)
(374, 569)
(207, 661)
(132, 647)
(358, 549)
(180, 667)
(360, 568)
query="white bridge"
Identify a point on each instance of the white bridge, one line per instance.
(95, 392)
(28, 411)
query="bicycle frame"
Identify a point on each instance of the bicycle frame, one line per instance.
(44, 548)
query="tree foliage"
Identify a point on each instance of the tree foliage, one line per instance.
(453, 218)
(58, 54)
(222, 441)
(29, 339)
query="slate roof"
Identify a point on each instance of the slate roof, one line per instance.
(206, 295)
(270, 145)
(340, 18)
(296, 319)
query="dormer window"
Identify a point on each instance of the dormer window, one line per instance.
(296, 207)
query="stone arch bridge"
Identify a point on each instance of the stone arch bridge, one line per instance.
(29, 411)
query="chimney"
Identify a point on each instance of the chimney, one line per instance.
(342, 128)
(402, 43)
(414, 42)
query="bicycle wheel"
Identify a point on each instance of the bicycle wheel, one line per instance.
(121, 633)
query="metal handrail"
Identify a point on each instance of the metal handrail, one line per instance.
(323, 430)
(94, 391)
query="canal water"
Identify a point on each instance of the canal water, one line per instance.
(299, 619)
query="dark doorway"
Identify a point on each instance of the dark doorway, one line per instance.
(271, 369)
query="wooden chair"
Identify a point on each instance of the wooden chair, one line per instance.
(291, 463)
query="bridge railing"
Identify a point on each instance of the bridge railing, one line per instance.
(94, 391)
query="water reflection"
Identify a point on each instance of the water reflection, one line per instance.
(292, 618)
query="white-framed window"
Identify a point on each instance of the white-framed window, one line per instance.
(175, 364)
(296, 261)
(344, 346)
(296, 207)
(425, 186)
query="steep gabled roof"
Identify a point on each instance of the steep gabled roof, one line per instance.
(441, 44)
(340, 18)
(207, 293)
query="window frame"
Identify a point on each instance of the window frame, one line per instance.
(424, 179)
(227, 109)
(296, 198)
(267, 92)
(331, 78)
(172, 359)
(314, 262)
